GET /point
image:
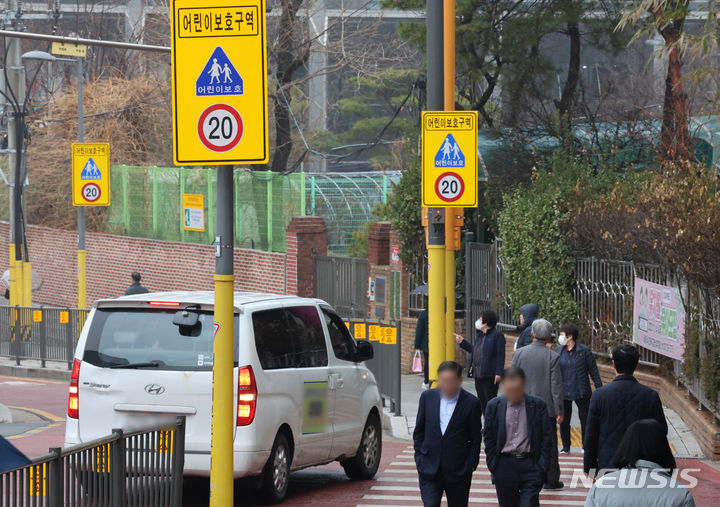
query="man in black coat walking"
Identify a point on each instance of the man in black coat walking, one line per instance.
(614, 407)
(447, 438)
(518, 440)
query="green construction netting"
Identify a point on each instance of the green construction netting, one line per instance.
(147, 202)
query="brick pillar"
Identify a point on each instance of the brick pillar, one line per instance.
(305, 237)
(379, 243)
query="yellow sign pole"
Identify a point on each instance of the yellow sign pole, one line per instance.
(450, 213)
(223, 405)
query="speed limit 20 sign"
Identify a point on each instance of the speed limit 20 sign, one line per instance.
(449, 159)
(219, 82)
(91, 174)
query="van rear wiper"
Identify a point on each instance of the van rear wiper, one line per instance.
(147, 364)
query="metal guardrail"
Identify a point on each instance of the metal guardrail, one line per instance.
(385, 365)
(45, 334)
(124, 469)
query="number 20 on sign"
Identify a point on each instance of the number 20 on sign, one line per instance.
(449, 159)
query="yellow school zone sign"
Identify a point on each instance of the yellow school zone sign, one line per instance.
(91, 174)
(449, 159)
(219, 82)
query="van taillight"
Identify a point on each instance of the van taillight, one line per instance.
(247, 396)
(73, 400)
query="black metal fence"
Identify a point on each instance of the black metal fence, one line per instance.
(342, 282)
(136, 469)
(385, 365)
(45, 334)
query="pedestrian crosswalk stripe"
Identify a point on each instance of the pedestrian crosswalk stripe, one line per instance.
(482, 500)
(397, 485)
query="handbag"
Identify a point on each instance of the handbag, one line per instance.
(417, 366)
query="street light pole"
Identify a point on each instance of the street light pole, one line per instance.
(81, 253)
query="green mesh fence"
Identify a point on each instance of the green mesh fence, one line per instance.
(147, 202)
(346, 201)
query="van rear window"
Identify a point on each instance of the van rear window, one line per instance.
(126, 337)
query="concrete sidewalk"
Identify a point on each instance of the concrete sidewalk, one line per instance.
(681, 438)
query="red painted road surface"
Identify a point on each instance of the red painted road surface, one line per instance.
(395, 484)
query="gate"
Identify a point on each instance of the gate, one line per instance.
(480, 262)
(342, 282)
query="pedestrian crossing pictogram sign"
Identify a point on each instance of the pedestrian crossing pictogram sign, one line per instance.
(219, 77)
(91, 174)
(90, 171)
(449, 154)
(219, 82)
(449, 159)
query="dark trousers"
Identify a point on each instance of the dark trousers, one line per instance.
(583, 405)
(486, 389)
(518, 482)
(457, 492)
(553, 472)
(426, 370)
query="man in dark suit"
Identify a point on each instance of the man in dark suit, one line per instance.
(614, 407)
(518, 438)
(447, 439)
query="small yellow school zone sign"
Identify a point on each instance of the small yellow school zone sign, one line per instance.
(219, 82)
(449, 159)
(91, 174)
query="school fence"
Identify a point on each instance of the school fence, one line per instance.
(385, 365)
(342, 282)
(45, 334)
(147, 202)
(125, 469)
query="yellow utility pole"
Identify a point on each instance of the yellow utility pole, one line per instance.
(450, 213)
(436, 216)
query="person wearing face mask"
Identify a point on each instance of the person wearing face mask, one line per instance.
(487, 356)
(577, 363)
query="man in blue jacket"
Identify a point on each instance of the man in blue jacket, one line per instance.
(517, 442)
(447, 438)
(487, 356)
(614, 407)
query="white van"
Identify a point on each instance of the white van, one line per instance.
(311, 399)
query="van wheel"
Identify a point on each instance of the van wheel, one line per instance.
(364, 465)
(276, 476)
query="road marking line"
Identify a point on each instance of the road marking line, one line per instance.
(484, 491)
(33, 380)
(40, 413)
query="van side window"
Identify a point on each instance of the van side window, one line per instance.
(342, 343)
(307, 334)
(272, 339)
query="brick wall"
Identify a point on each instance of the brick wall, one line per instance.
(305, 238)
(164, 265)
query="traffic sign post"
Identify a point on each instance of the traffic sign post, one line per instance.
(91, 174)
(219, 69)
(449, 159)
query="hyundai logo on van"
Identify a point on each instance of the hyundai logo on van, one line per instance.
(155, 389)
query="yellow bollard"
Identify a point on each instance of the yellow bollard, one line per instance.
(223, 412)
(436, 309)
(81, 279)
